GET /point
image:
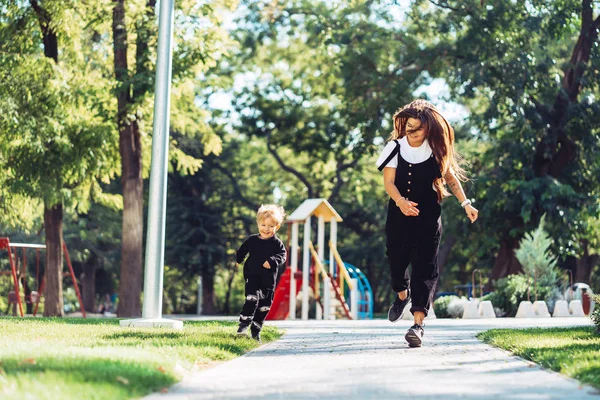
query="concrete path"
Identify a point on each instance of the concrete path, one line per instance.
(370, 360)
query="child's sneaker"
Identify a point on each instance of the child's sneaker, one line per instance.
(397, 307)
(255, 334)
(414, 336)
(242, 330)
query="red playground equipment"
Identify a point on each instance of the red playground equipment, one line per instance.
(281, 300)
(18, 271)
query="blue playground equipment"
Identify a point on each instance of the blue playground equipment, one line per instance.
(365, 293)
(365, 302)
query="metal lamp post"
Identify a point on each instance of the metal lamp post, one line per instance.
(157, 199)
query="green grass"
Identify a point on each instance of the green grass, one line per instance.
(574, 352)
(97, 359)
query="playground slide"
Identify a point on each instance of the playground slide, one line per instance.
(281, 300)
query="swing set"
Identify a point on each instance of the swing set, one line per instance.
(18, 272)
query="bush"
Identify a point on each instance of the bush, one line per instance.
(70, 300)
(596, 314)
(440, 306)
(3, 304)
(457, 307)
(497, 310)
(535, 256)
(449, 306)
(510, 291)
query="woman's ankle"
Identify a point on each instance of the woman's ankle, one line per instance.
(419, 316)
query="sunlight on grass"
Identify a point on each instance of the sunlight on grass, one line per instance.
(572, 351)
(98, 359)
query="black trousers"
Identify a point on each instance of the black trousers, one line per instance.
(259, 291)
(414, 241)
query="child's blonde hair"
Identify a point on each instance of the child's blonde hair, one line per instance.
(271, 210)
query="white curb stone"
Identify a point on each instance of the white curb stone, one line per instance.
(470, 310)
(540, 308)
(431, 313)
(525, 310)
(576, 308)
(486, 309)
(561, 309)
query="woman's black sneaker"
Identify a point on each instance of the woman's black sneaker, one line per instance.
(397, 307)
(414, 336)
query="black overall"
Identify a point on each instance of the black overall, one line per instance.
(414, 240)
(260, 282)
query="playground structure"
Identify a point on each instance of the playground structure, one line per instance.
(18, 272)
(339, 288)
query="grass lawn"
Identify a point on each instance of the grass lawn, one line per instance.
(571, 351)
(97, 359)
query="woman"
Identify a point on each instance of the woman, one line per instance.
(417, 163)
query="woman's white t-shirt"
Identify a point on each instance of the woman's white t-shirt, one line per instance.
(412, 155)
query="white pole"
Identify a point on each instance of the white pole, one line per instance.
(321, 254)
(294, 267)
(333, 239)
(157, 199)
(354, 298)
(305, 268)
(157, 203)
(326, 298)
(321, 239)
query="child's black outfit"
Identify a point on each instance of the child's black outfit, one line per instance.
(414, 240)
(260, 281)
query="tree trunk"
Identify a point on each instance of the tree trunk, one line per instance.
(585, 264)
(49, 36)
(506, 262)
(208, 290)
(88, 283)
(444, 252)
(53, 216)
(232, 271)
(130, 148)
(555, 151)
(27, 291)
(131, 245)
(53, 299)
(443, 255)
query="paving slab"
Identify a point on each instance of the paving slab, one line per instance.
(370, 360)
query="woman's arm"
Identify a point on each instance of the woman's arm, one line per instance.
(455, 186)
(457, 189)
(408, 208)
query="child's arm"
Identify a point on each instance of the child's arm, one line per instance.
(276, 259)
(241, 253)
(458, 191)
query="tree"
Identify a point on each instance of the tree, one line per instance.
(536, 258)
(130, 147)
(54, 144)
(330, 77)
(528, 72)
(198, 42)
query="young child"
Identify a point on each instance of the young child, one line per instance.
(417, 163)
(267, 253)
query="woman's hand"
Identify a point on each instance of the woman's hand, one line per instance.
(408, 208)
(472, 212)
(266, 265)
